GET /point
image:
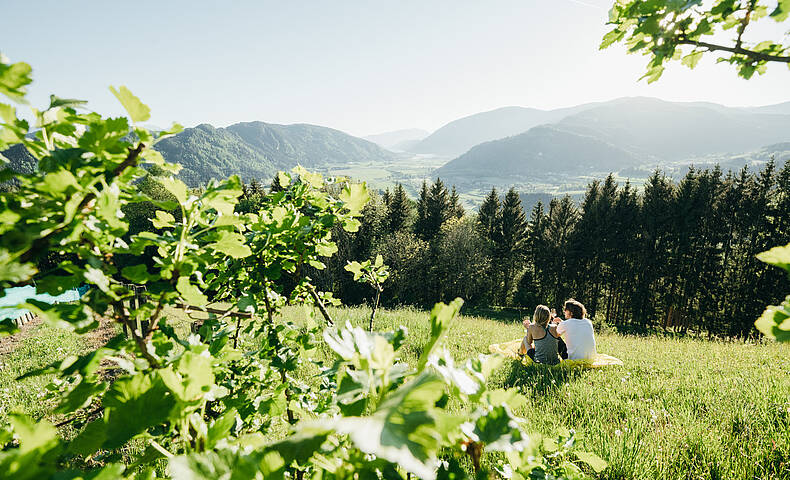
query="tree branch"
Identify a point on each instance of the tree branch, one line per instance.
(139, 340)
(764, 57)
(320, 305)
(744, 23)
(40, 244)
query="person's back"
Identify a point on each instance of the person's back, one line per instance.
(577, 331)
(543, 337)
(579, 337)
(546, 348)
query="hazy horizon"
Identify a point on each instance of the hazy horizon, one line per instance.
(364, 69)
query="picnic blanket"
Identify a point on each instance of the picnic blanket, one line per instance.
(510, 350)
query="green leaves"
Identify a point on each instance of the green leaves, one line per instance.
(692, 59)
(176, 187)
(137, 110)
(441, 317)
(231, 244)
(403, 430)
(777, 256)
(192, 377)
(207, 400)
(664, 31)
(782, 10)
(354, 197)
(594, 461)
(191, 294)
(374, 274)
(163, 220)
(774, 323)
(132, 405)
(39, 446)
(14, 78)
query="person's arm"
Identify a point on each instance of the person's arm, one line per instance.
(561, 328)
(526, 343)
(553, 331)
(522, 349)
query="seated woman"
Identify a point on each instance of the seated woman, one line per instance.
(577, 331)
(544, 338)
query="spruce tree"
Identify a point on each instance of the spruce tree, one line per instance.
(510, 241)
(438, 210)
(255, 187)
(537, 252)
(457, 210)
(421, 223)
(398, 210)
(563, 215)
(488, 215)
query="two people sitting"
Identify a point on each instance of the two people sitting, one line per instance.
(548, 338)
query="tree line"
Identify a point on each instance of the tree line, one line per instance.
(671, 254)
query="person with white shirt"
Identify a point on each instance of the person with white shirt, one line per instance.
(577, 332)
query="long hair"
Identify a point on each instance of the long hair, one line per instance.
(576, 308)
(541, 315)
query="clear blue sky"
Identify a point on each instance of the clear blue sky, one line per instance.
(360, 66)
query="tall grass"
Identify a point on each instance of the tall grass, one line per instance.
(678, 409)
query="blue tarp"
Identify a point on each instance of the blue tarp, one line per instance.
(17, 295)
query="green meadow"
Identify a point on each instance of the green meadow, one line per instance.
(680, 408)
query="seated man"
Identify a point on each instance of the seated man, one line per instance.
(577, 331)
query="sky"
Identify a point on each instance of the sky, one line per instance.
(363, 67)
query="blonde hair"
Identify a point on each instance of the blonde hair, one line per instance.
(541, 315)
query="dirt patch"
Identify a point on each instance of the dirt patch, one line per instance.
(98, 337)
(9, 343)
(94, 339)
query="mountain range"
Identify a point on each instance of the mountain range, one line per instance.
(504, 146)
(259, 150)
(460, 135)
(604, 137)
(398, 140)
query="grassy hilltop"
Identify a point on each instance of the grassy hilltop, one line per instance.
(679, 408)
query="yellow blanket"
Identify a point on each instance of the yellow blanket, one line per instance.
(510, 349)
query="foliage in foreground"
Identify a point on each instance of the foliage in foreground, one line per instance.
(662, 29)
(202, 406)
(775, 321)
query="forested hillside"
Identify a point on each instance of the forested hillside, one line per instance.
(258, 150)
(251, 150)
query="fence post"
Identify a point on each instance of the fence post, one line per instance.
(141, 298)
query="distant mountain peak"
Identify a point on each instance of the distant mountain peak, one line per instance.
(258, 150)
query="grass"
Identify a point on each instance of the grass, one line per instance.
(680, 408)
(36, 347)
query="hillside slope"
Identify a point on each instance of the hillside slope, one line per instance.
(259, 150)
(398, 139)
(460, 135)
(620, 134)
(648, 127)
(540, 150)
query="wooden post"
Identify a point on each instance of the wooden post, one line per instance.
(144, 324)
